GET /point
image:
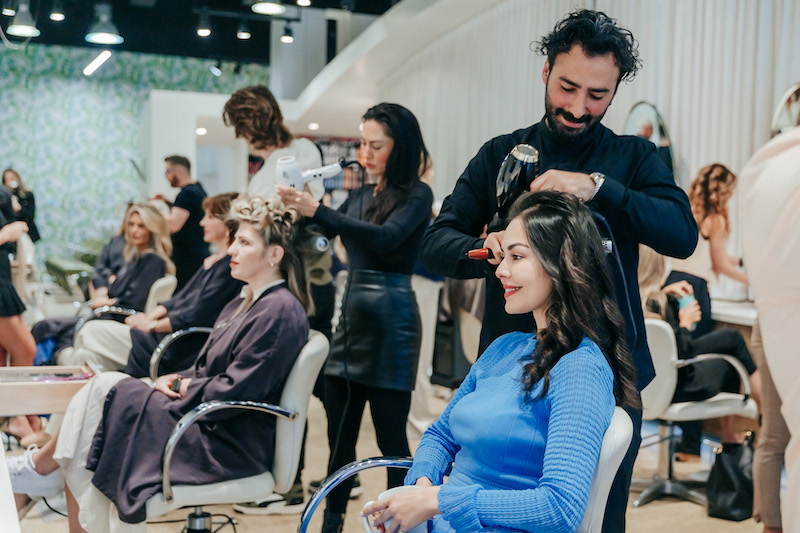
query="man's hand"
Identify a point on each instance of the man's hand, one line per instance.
(494, 243)
(577, 183)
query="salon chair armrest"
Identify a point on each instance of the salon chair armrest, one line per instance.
(737, 365)
(105, 310)
(167, 341)
(345, 472)
(202, 410)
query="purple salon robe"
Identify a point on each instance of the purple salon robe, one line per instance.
(247, 357)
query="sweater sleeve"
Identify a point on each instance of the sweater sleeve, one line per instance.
(385, 237)
(581, 402)
(461, 220)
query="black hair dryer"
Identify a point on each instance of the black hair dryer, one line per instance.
(520, 167)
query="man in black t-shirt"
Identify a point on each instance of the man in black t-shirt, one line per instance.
(183, 220)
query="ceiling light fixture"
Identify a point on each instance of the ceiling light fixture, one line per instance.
(23, 25)
(96, 62)
(268, 8)
(216, 70)
(243, 33)
(201, 131)
(10, 8)
(313, 126)
(103, 31)
(204, 26)
(288, 36)
(303, 3)
(57, 13)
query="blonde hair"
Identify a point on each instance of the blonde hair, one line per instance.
(707, 189)
(275, 224)
(652, 272)
(160, 240)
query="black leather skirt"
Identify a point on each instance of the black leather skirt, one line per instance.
(377, 341)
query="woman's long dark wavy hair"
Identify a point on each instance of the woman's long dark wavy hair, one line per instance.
(407, 157)
(564, 238)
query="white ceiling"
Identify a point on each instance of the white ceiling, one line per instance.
(338, 96)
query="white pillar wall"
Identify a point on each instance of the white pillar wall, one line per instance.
(171, 120)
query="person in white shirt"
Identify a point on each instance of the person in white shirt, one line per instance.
(256, 116)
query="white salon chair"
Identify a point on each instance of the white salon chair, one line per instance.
(616, 441)
(160, 291)
(291, 413)
(658, 405)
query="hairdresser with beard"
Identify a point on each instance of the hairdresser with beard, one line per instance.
(621, 178)
(375, 349)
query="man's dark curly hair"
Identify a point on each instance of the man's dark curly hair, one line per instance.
(598, 34)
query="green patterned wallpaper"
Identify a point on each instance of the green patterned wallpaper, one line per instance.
(72, 138)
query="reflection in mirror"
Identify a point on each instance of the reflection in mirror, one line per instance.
(645, 121)
(787, 115)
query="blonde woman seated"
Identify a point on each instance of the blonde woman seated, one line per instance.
(127, 347)
(702, 380)
(521, 438)
(147, 251)
(115, 429)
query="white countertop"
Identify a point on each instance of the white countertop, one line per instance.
(742, 312)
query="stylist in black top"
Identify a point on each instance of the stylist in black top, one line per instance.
(376, 346)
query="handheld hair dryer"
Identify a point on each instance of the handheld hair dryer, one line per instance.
(290, 174)
(518, 170)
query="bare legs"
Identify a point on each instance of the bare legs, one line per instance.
(72, 512)
(43, 461)
(17, 346)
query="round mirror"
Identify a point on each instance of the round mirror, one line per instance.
(645, 121)
(787, 115)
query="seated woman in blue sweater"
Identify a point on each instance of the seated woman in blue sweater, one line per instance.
(520, 439)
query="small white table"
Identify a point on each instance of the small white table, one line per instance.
(8, 508)
(742, 313)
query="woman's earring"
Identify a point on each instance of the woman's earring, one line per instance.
(271, 264)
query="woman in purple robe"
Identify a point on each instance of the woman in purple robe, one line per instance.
(111, 442)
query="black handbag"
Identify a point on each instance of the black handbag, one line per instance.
(730, 482)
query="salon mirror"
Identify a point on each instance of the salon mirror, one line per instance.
(645, 121)
(787, 115)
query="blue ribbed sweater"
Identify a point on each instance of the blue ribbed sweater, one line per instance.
(519, 462)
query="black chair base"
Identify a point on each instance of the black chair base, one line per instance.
(671, 487)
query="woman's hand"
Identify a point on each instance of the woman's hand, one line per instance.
(100, 301)
(302, 201)
(405, 509)
(689, 315)
(15, 205)
(140, 321)
(679, 288)
(13, 231)
(164, 383)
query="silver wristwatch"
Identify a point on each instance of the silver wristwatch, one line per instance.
(598, 178)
